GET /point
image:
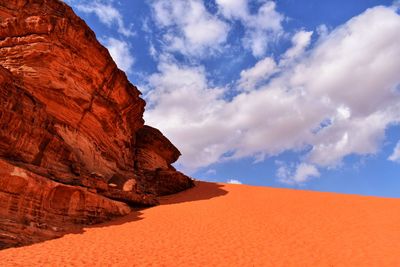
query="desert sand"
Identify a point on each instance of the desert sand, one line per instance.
(234, 225)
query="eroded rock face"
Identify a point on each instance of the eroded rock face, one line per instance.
(154, 157)
(70, 119)
(33, 208)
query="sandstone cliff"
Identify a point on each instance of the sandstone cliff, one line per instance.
(73, 145)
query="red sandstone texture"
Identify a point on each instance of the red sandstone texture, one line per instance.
(73, 145)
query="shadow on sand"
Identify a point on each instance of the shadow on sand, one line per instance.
(201, 191)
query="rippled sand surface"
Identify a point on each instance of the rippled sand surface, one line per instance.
(234, 225)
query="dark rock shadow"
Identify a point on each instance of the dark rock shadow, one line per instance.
(201, 191)
(135, 215)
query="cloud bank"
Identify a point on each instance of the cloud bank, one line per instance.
(329, 101)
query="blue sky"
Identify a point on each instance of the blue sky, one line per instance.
(297, 94)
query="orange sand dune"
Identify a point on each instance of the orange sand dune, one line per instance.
(234, 225)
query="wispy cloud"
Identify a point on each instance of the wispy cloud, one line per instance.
(189, 28)
(302, 173)
(261, 71)
(106, 12)
(120, 52)
(211, 172)
(395, 156)
(261, 28)
(300, 41)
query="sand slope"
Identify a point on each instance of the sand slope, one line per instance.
(234, 225)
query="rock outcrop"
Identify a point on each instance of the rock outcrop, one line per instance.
(73, 145)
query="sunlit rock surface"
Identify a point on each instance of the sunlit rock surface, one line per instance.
(73, 145)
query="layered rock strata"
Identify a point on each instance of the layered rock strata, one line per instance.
(73, 145)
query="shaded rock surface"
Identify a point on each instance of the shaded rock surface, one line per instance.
(33, 207)
(73, 145)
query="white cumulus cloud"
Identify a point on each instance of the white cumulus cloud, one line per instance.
(348, 79)
(189, 28)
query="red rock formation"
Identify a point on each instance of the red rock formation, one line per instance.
(70, 120)
(33, 208)
(155, 154)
